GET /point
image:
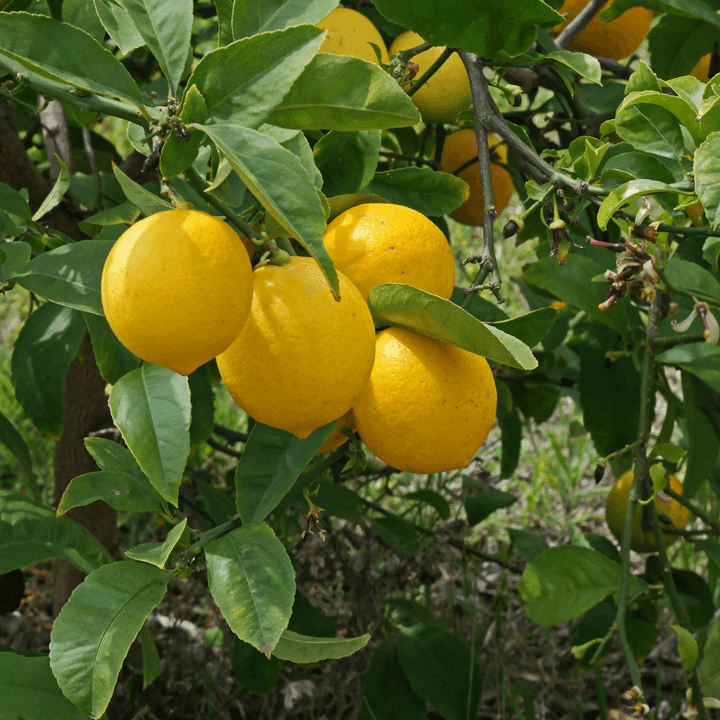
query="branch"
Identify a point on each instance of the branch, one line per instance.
(578, 23)
(230, 435)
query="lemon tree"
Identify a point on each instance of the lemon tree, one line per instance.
(238, 310)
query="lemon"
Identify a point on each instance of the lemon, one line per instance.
(176, 288)
(616, 39)
(376, 243)
(301, 357)
(461, 147)
(447, 92)
(350, 33)
(428, 405)
(337, 436)
(642, 540)
(702, 70)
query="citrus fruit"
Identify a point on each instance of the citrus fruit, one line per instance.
(447, 92)
(376, 243)
(616, 39)
(337, 436)
(176, 288)
(428, 405)
(643, 540)
(702, 70)
(350, 33)
(460, 148)
(302, 356)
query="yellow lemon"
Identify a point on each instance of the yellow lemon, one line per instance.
(702, 70)
(176, 288)
(350, 33)
(428, 406)
(447, 92)
(376, 243)
(461, 148)
(642, 540)
(337, 436)
(302, 356)
(616, 39)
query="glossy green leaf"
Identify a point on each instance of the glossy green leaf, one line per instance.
(708, 669)
(347, 160)
(687, 649)
(37, 46)
(434, 499)
(270, 464)
(165, 28)
(178, 154)
(483, 504)
(634, 165)
(251, 18)
(62, 183)
(45, 347)
(14, 442)
(305, 649)
(17, 255)
(676, 44)
(119, 25)
(428, 191)
(711, 253)
(69, 275)
(585, 66)
(202, 398)
(700, 359)
(530, 328)
(124, 214)
(652, 129)
(706, 167)
(693, 278)
(113, 457)
(508, 418)
(158, 553)
(121, 491)
(678, 106)
(30, 533)
(29, 689)
(113, 358)
(252, 581)
(152, 669)
(528, 545)
(82, 14)
(95, 628)
(277, 178)
(151, 407)
(564, 582)
(242, 82)
(428, 314)
(299, 146)
(339, 92)
(399, 534)
(14, 202)
(143, 199)
(693, 9)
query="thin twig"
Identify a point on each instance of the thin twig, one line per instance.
(230, 435)
(223, 448)
(444, 56)
(92, 160)
(578, 24)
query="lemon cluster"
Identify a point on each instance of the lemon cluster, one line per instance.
(178, 290)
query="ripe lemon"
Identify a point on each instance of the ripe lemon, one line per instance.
(642, 540)
(301, 357)
(447, 92)
(350, 33)
(616, 39)
(702, 70)
(428, 406)
(461, 147)
(377, 243)
(337, 436)
(176, 288)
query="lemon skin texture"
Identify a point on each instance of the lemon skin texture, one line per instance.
(702, 70)
(616, 39)
(337, 436)
(428, 406)
(176, 288)
(375, 243)
(643, 541)
(302, 357)
(350, 33)
(447, 92)
(461, 147)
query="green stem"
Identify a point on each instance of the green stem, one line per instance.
(446, 53)
(688, 230)
(410, 158)
(694, 509)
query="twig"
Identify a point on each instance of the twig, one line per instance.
(578, 23)
(223, 448)
(230, 435)
(446, 53)
(694, 509)
(92, 160)
(411, 158)
(688, 230)
(679, 340)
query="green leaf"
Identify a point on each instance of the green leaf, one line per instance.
(687, 649)
(347, 160)
(121, 491)
(44, 349)
(399, 534)
(338, 92)
(152, 669)
(113, 358)
(564, 582)
(585, 66)
(69, 275)
(202, 398)
(37, 47)
(119, 25)
(158, 553)
(14, 202)
(29, 689)
(700, 359)
(693, 278)
(304, 649)
(708, 668)
(252, 669)
(510, 424)
(277, 178)
(62, 183)
(14, 442)
(215, 501)
(82, 14)
(652, 129)
(425, 313)
(636, 165)
(95, 628)
(676, 44)
(151, 407)
(528, 545)
(694, 9)
(530, 328)
(338, 500)
(272, 461)
(252, 18)
(165, 27)
(178, 154)
(17, 254)
(113, 457)
(430, 192)
(434, 499)
(485, 503)
(706, 167)
(143, 199)
(243, 82)
(124, 214)
(711, 253)
(669, 452)
(252, 581)
(30, 533)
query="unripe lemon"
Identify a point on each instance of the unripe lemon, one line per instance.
(350, 33)
(302, 356)
(616, 39)
(641, 540)
(176, 288)
(428, 405)
(377, 243)
(337, 436)
(460, 148)
(447, 92)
